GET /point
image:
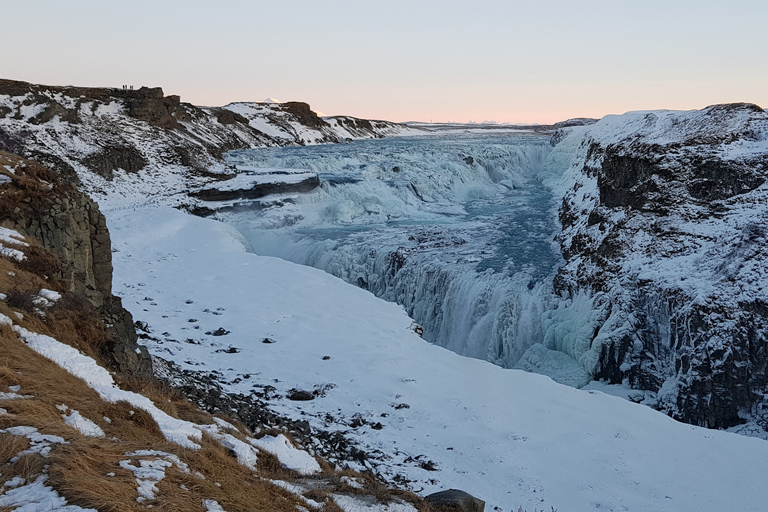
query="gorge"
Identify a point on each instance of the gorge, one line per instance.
(625, 256)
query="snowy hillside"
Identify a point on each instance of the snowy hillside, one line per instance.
(142, 144)
(625, 256)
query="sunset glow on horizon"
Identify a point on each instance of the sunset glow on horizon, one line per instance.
(513, 62)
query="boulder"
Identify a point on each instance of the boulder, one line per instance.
(454, 500)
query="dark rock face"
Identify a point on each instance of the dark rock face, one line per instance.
(258, 190)
(105, 162)
(69, 225)
(454, 500)
(304, 114)
(665, 229)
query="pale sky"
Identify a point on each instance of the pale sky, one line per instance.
(474, 60)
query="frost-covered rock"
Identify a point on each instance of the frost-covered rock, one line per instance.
(664, 230)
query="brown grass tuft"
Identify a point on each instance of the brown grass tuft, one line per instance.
(10, 446)
(42, 263)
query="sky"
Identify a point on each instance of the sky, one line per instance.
(480, 60)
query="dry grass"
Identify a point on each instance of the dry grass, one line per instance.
(32, 189)
(11, 445)
(79, 469)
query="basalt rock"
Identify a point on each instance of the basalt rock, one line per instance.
(665, 227)
(68, 224)
(304, 114)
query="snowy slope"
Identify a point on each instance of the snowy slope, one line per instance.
(419, 411)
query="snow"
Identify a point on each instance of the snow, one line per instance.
(366, 504)
(14, 482)
(288, 455)
(49, 295)
(508, 437)
(245, 454)
(151, 469)
(36, 497)
(212, 506)
(297, 490)
(12, 395)
(176, 430)
(40, 444)
(86, 427)
(12, 237)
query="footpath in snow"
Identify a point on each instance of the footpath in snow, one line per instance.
(438, 419)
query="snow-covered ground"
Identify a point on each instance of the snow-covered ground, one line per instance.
(436, 418)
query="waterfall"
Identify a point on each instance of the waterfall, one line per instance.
(458, 230)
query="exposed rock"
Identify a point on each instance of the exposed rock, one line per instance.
(454, 500)
(258, 190)
(64, 221)
(300, 395)
(69, 225)
(664, 225)
(304, 114)
(111, 158)
(56, 109)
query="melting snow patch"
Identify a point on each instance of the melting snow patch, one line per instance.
(296, 490)
(151, 470)
(14, 482)
(49, 296)
(84, 425)
(288, 455)
(12, 395)
(39, 443)
(212, 506)
(35, 497)
(11, 237)
(352, 482)
(246, 454)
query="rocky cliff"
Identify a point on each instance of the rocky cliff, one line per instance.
(74, 253)
(148, 141)
(664, 234)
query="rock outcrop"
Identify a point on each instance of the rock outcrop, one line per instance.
(454, 500)
(68, 224)
(664, 233)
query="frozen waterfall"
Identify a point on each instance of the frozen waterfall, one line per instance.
(456, 229)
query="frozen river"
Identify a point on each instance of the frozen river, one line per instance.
(458, 229)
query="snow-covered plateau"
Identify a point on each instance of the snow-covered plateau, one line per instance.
(624, 258)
